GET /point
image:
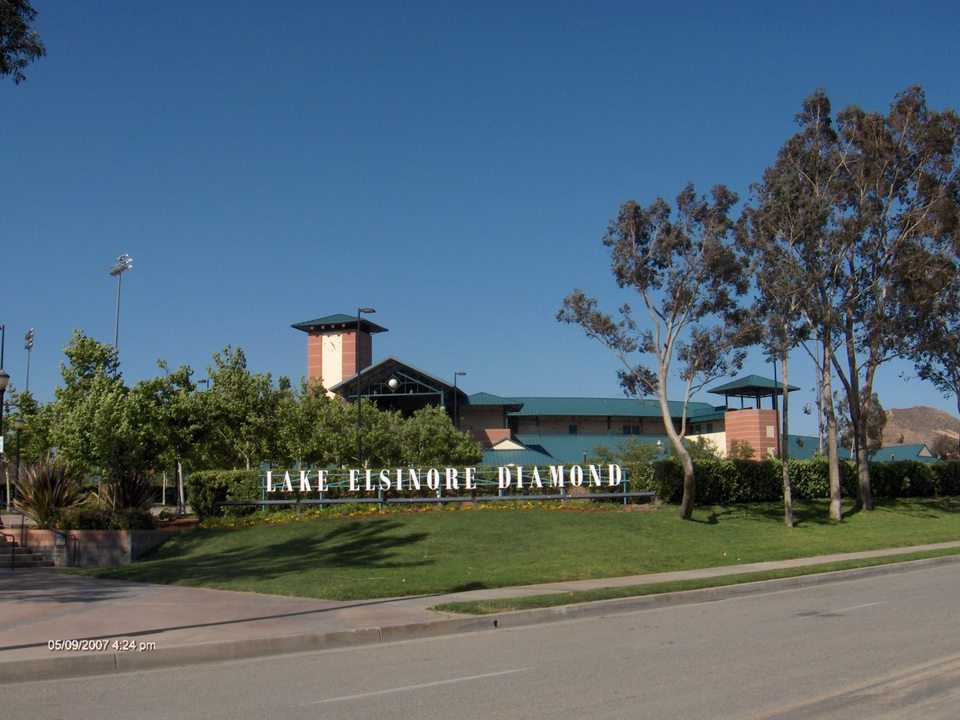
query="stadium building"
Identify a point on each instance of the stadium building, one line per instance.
(536, 430)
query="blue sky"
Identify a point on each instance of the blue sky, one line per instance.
(453, 165)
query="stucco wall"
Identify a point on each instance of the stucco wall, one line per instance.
(95, 548)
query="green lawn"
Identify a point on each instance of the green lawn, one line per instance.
(407, 553)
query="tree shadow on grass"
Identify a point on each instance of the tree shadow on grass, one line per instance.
(264, 553)
(806, 513)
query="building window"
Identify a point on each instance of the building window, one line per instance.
(572, 429)
(631, 429)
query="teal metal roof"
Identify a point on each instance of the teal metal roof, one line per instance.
(919, 452)
(751, 386)
(340, 321)
(602, 407)
(569, 449)
(528, 457)
(483, 398)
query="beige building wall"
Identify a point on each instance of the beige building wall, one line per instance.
(332, 360)
(717, 440)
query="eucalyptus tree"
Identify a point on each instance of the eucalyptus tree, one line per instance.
(849, 212)
(690, 279)
(898, 178)
(935, 345)
(784, 232)
(20, 44)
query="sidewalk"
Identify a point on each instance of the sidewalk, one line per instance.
(131, 626)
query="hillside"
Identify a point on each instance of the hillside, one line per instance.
(909, 426)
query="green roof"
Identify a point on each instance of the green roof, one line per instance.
(752, 386)
(528, 457)
(603, 407)
(918, 452)
(340, 321)
(483, 398)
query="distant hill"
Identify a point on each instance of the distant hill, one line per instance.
(910, 426)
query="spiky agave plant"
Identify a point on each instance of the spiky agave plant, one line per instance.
(46, 489)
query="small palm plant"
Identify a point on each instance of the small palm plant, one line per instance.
(46, 489)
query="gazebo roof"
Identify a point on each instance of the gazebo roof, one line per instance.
(752, 386)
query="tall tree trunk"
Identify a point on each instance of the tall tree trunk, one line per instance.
(864, 491)
(689, 482)
(784, 450)
(858, 402)
(181, 500)
(833, 459)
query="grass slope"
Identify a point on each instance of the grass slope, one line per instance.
(408, 553)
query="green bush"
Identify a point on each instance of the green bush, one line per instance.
(810, 478)
(208, 487)
(947, 476)
(903, 478)
(667, 480)
(102, 519)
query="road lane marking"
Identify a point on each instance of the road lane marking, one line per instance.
(836, 613)
(420, 686)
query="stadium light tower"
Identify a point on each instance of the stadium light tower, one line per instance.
(120, 266)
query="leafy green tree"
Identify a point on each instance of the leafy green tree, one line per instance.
(86, 405)
(700, 448)
(19, 43)
(121, 434)
(35, 434)
(316, 429)
(381, 435)
(689, 278)
(742, 450)
(240, 412)
(429, 438)
(635, 457)
(176, 420)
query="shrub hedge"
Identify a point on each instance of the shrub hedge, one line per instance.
(208, 487)
(719, 482)
(101, 519)
(735, 481)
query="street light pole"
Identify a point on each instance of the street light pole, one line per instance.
(121, 265)
(365, 310)
(18, 424)
(4, 381)
(456, 415)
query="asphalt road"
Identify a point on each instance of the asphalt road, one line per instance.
(878, 647)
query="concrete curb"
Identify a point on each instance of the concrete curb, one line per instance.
(70, 666)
